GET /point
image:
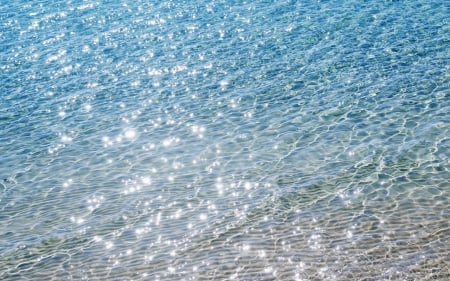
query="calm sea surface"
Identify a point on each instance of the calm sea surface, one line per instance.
(219, 140)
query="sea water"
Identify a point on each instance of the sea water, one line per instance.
(219, 140)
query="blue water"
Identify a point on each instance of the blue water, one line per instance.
(219, 140)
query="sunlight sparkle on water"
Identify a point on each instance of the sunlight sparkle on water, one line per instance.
(130, 133)
(146, 180)
(170, 141)
(65, 138)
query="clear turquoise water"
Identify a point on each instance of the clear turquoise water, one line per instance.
(224, 140)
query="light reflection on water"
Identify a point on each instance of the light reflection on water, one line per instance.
(219, 141)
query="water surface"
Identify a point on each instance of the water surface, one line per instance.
(218, 140)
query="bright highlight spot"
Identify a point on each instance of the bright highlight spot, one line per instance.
(130, 134)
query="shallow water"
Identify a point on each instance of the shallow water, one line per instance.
(225, 140)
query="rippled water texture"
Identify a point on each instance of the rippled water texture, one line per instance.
(201, 140)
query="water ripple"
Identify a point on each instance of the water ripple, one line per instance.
(222, 140)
